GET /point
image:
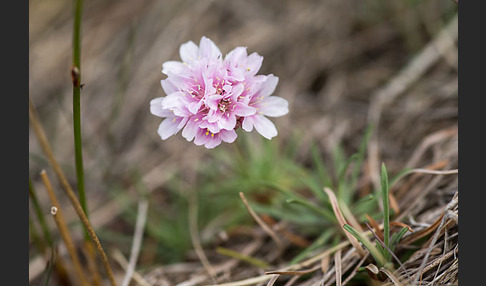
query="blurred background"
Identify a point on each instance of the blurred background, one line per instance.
(342, 65)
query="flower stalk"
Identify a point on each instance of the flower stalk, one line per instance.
(76, 78)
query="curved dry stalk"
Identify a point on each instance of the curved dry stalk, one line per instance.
(137, 240)
(342, 221)
(192, 209)
(338, 266)
(41, 136)
(118, 256)
(265, 227)
(63, 230)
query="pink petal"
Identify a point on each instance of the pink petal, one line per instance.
(211, 126)
(168, 86)
(253, 64)
(247, 124)
(268, 86)
(242, 109)
(228, 136)
(227, 121)
(173, 66)
(264, 126)
(209, 49)
(156, 108)
(274, 106)
(188, 52)
(169, 127)
(213, 141)
(201, 138)
(190, 130)
(172, 100)
(235, 56)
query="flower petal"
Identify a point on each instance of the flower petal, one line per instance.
(190, 130)
(274, 106)
(227, 121)
(208, 48)
(264, 126)
(173, 66)
(169, 127)
(168, 86)
(156, 108)
(268, 86)
(228, 136)
(234, 57)
(213, 141)
(254, 63)
(247, 124)
(188, 52)
(242, 109)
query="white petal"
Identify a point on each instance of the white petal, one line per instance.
(172, 100)
(173, 66)
(188, 52)
(274, 106)
(244, 110)
(208, 48)
(156, 108)
(247, 124)
(268, 86)
(190, 130)
(228, 136)
(265, 127)
(212, 141)
(227, 122)
(168, 86)
(254, 63)
(168, 127)
(235, 56)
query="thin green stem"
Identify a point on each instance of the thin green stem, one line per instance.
(76, 78)
(40, 215)
(386, 205)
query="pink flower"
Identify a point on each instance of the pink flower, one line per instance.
(209, 97)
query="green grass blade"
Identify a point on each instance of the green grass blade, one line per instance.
(320, 241)
(299, 199)
(386, 205)
(376, 253)
(396, 237)
(40, 215)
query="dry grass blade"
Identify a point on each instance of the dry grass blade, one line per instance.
(193, 229)
(41, 136)
(118, 256)
(290, 272)
(64, 231)
(251, 260)
(375, 226)
(342, 221)
(419, 234)
(137, 240)
(392, 277)
(89, 253)
(264, 226)
(444, 172)
(272, 281)
(401, 224)
(288, 234)
(325, 264)
(338, 267)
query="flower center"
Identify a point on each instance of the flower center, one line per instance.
(223, 104)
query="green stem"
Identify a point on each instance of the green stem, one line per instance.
(76, 77)
(386, 205)
(40, 215)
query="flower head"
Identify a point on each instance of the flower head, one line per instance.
(209, 97)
